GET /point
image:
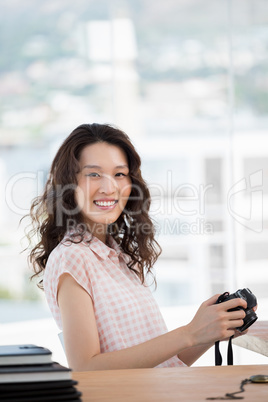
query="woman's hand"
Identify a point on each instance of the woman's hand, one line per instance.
(213, 322)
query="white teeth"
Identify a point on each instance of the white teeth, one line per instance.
(105, 203)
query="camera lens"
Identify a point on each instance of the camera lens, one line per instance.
(250, 318)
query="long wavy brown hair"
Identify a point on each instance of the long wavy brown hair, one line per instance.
(52, 212)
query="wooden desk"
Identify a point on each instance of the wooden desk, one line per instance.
(170, 384)
(256, 339)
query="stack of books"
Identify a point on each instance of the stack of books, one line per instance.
(27, 373)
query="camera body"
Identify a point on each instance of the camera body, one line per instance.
(251, 300)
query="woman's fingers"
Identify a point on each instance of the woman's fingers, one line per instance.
(238, 333)
(236, 302)
(235, 315)
(212, 300)
(233, 303)
(236, 323)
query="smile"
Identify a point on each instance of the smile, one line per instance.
(105, 203)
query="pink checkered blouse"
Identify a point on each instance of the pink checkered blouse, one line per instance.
(125, 310)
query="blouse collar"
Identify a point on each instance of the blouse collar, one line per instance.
(103, 250)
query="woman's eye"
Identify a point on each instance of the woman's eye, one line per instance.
(93, 175)
(120, 175)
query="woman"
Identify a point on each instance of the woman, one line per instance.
(96, 247)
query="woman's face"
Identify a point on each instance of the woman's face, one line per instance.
(103, 186)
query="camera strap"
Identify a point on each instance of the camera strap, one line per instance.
(218, 358)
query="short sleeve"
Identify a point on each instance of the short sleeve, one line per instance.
(66, 258)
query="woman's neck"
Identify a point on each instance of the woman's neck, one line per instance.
(99, 230)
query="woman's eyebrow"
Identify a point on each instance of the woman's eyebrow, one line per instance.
(91, 167)
(99, 167)
(122, 167)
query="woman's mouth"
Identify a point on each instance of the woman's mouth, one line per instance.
(105, 204)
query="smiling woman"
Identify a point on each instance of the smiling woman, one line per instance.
(95, 165)
(96, 247)
(103, 186)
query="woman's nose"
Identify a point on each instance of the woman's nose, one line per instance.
(108, 185)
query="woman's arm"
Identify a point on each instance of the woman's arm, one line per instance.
(190, 355)
(82, 345)
(81, 338)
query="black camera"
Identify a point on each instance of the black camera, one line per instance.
(251, 300)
